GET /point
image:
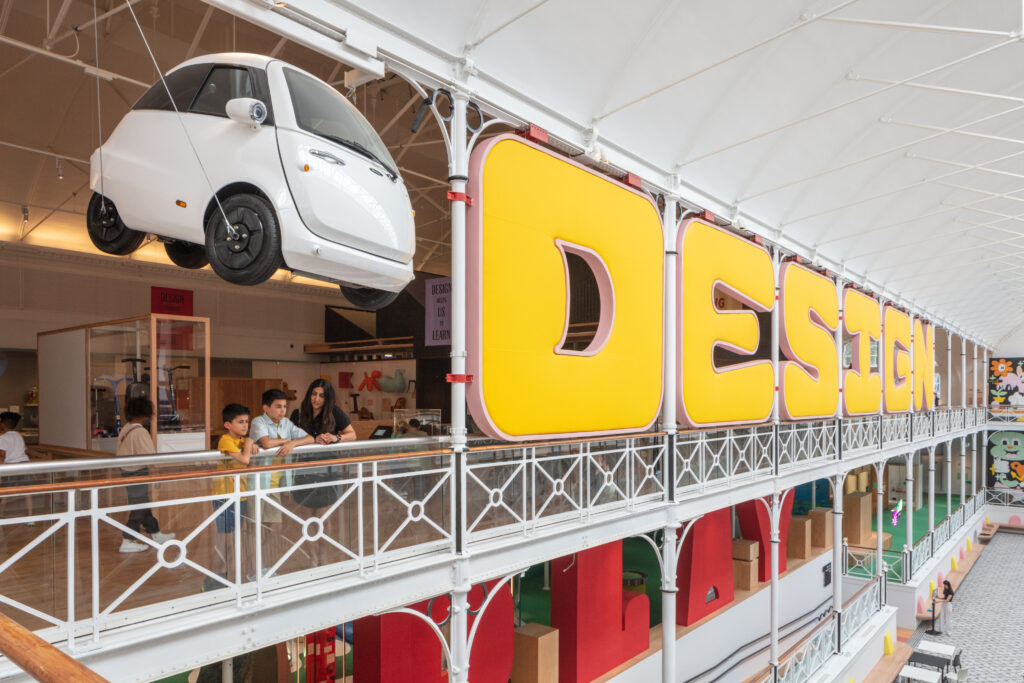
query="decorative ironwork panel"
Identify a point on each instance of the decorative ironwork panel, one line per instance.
(861, 434)
(896, 429)
(802, 663)
(861, 608)
(806, 442)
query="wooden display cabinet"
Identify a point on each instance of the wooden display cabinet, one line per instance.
(87, 374)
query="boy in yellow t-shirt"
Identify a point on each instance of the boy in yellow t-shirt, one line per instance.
(237, 444)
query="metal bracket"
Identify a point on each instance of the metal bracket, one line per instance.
(459, 197)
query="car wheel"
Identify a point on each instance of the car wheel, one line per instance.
(253, 254)
(106, 229)
(186, 254)
(367, 297)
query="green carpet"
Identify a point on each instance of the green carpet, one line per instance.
(534, 603)
(899, 532)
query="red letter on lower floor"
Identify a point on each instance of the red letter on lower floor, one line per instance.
(704, 573)
(599, 624)
(755, 526)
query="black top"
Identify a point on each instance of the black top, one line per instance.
(341, 421)
(947, 592)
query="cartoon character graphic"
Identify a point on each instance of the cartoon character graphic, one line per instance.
(1006, 385)
(1007, 452)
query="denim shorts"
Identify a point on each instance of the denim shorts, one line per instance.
(226, 519)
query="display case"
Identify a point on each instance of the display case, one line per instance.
(165, 358)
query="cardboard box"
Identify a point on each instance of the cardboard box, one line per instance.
(822, 527)
(862, 481)
(536, 654)
(798, 543)
(743, 549)
(744, 574)
(857, 518)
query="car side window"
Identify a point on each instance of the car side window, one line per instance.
(183, 84)
(224, 83)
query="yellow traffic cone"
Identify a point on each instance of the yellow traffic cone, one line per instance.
(953, 562)
(889, 649)
(969, 546)
(931, 588)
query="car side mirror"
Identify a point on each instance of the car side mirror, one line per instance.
(246, 110)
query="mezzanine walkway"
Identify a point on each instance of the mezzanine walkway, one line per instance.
(401, 528)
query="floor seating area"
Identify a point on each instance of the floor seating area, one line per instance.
(955, 579)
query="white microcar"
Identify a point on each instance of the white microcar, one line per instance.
(303, 179)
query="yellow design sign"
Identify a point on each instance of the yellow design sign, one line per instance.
(862, 320)
(924, 365)
(530, 209)
(713, 262)
(896, 366)
(809, 316)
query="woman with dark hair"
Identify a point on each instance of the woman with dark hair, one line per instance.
(320, 417)
(944, 594)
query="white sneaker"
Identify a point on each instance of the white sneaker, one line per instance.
(161, 537)
(130, 546)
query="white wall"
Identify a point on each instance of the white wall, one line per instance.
(47, 289)
(800, 591)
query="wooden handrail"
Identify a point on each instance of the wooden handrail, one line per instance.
(39, 659)
(865, 587)
(180, 476)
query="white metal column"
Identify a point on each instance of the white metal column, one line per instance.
(963, 470)
(460, 627)
(931, 489)
(668, 604)
(459, 634)
(880, 523)
(774, 512)
(948, 452)
(670, 227)
(975, 473)
(458, 178)
(949, 369)
(910, 506)
(976, 400)
(837, 542)
(776, 260)
(918, 477)
(963, 372)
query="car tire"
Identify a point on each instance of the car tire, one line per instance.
(186, 254)
(106, 229)
(255, 255)
(367, 297)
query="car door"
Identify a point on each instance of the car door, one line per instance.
(148, 151)
(231, 152)
(341, 176)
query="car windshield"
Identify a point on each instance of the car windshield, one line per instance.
(321, 110)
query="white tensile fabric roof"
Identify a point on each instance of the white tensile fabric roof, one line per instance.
(887, 138)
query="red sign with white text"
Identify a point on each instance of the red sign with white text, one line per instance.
(170, 301)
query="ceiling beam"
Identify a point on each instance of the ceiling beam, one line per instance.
(203, 23)
(877, 155)
(902, 188)
(805, 20)
(88, 68)
(57, 21)
(846, 103)
(930, 28)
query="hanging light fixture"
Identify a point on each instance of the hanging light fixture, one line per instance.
(60, 169)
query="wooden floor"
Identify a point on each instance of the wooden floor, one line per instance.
(889, 666)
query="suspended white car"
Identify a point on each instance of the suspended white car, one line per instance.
(303, 179)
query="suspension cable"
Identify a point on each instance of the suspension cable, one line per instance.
(231, 230)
